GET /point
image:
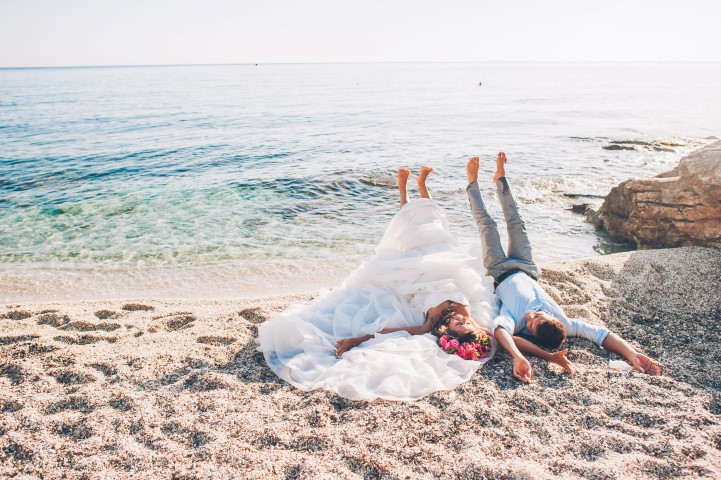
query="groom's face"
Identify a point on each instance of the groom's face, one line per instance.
(534, 319)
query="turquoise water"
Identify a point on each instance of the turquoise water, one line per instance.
(149, 173)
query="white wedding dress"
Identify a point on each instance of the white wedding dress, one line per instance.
(417, 257)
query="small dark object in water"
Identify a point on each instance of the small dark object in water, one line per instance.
(582, 195)
(618, 147)
(480, 83)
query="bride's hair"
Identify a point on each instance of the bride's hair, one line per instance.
(441, 328)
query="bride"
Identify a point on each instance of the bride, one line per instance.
(371, 337)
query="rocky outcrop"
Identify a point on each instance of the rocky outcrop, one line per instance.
(677, 208)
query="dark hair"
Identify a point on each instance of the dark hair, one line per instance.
(441, 328)
(550, 333)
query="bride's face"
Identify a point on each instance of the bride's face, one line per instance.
(435, 313)
(460, 324)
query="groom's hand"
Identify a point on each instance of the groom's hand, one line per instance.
(646, 365)
(522, 369)
(559, 358)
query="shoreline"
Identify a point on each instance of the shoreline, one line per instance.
(231, 282)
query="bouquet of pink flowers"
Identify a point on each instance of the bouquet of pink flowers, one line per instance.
(466, 350)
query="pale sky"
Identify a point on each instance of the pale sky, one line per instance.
(139, 32)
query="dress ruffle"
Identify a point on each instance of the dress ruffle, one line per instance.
(417, 256)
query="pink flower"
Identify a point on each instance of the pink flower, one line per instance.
(466, 351)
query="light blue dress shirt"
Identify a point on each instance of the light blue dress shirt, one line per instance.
(520, 294)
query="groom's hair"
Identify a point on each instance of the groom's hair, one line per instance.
(550, 333)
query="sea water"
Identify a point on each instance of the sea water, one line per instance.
(238, 180)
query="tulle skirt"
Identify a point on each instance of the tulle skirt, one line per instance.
(416, 257)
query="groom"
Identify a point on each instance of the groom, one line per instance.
(525, 307)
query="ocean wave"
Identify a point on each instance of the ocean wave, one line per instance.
(382, 180)
(312, 188)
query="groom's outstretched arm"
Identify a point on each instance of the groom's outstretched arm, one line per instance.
(521, 367)
(610, 341)
(639, 361)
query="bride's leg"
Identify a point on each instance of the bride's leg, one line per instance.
(425, 171)
(402, 181)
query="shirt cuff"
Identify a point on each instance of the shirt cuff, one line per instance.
(505, 323)
(601, 337)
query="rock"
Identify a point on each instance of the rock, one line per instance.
(582, 195)
(677, 208)
(618, 147)
(581, 208)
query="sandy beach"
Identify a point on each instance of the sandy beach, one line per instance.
(207, 209)
(145, 388)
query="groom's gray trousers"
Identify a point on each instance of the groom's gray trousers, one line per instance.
(520, 257)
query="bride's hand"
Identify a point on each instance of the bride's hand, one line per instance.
(346, 344)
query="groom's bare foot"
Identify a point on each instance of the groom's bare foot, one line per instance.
(500, 166)
(425, 171)
(403, 174)
(472, 170)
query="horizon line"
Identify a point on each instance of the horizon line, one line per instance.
(151, 65)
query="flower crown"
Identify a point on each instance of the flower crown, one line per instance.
(466, 350)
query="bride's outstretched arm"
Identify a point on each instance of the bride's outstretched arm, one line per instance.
(346, 344)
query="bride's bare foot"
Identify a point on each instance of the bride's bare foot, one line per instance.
(403, 174)
(472, 170)
(425, 171)
(500, 166)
